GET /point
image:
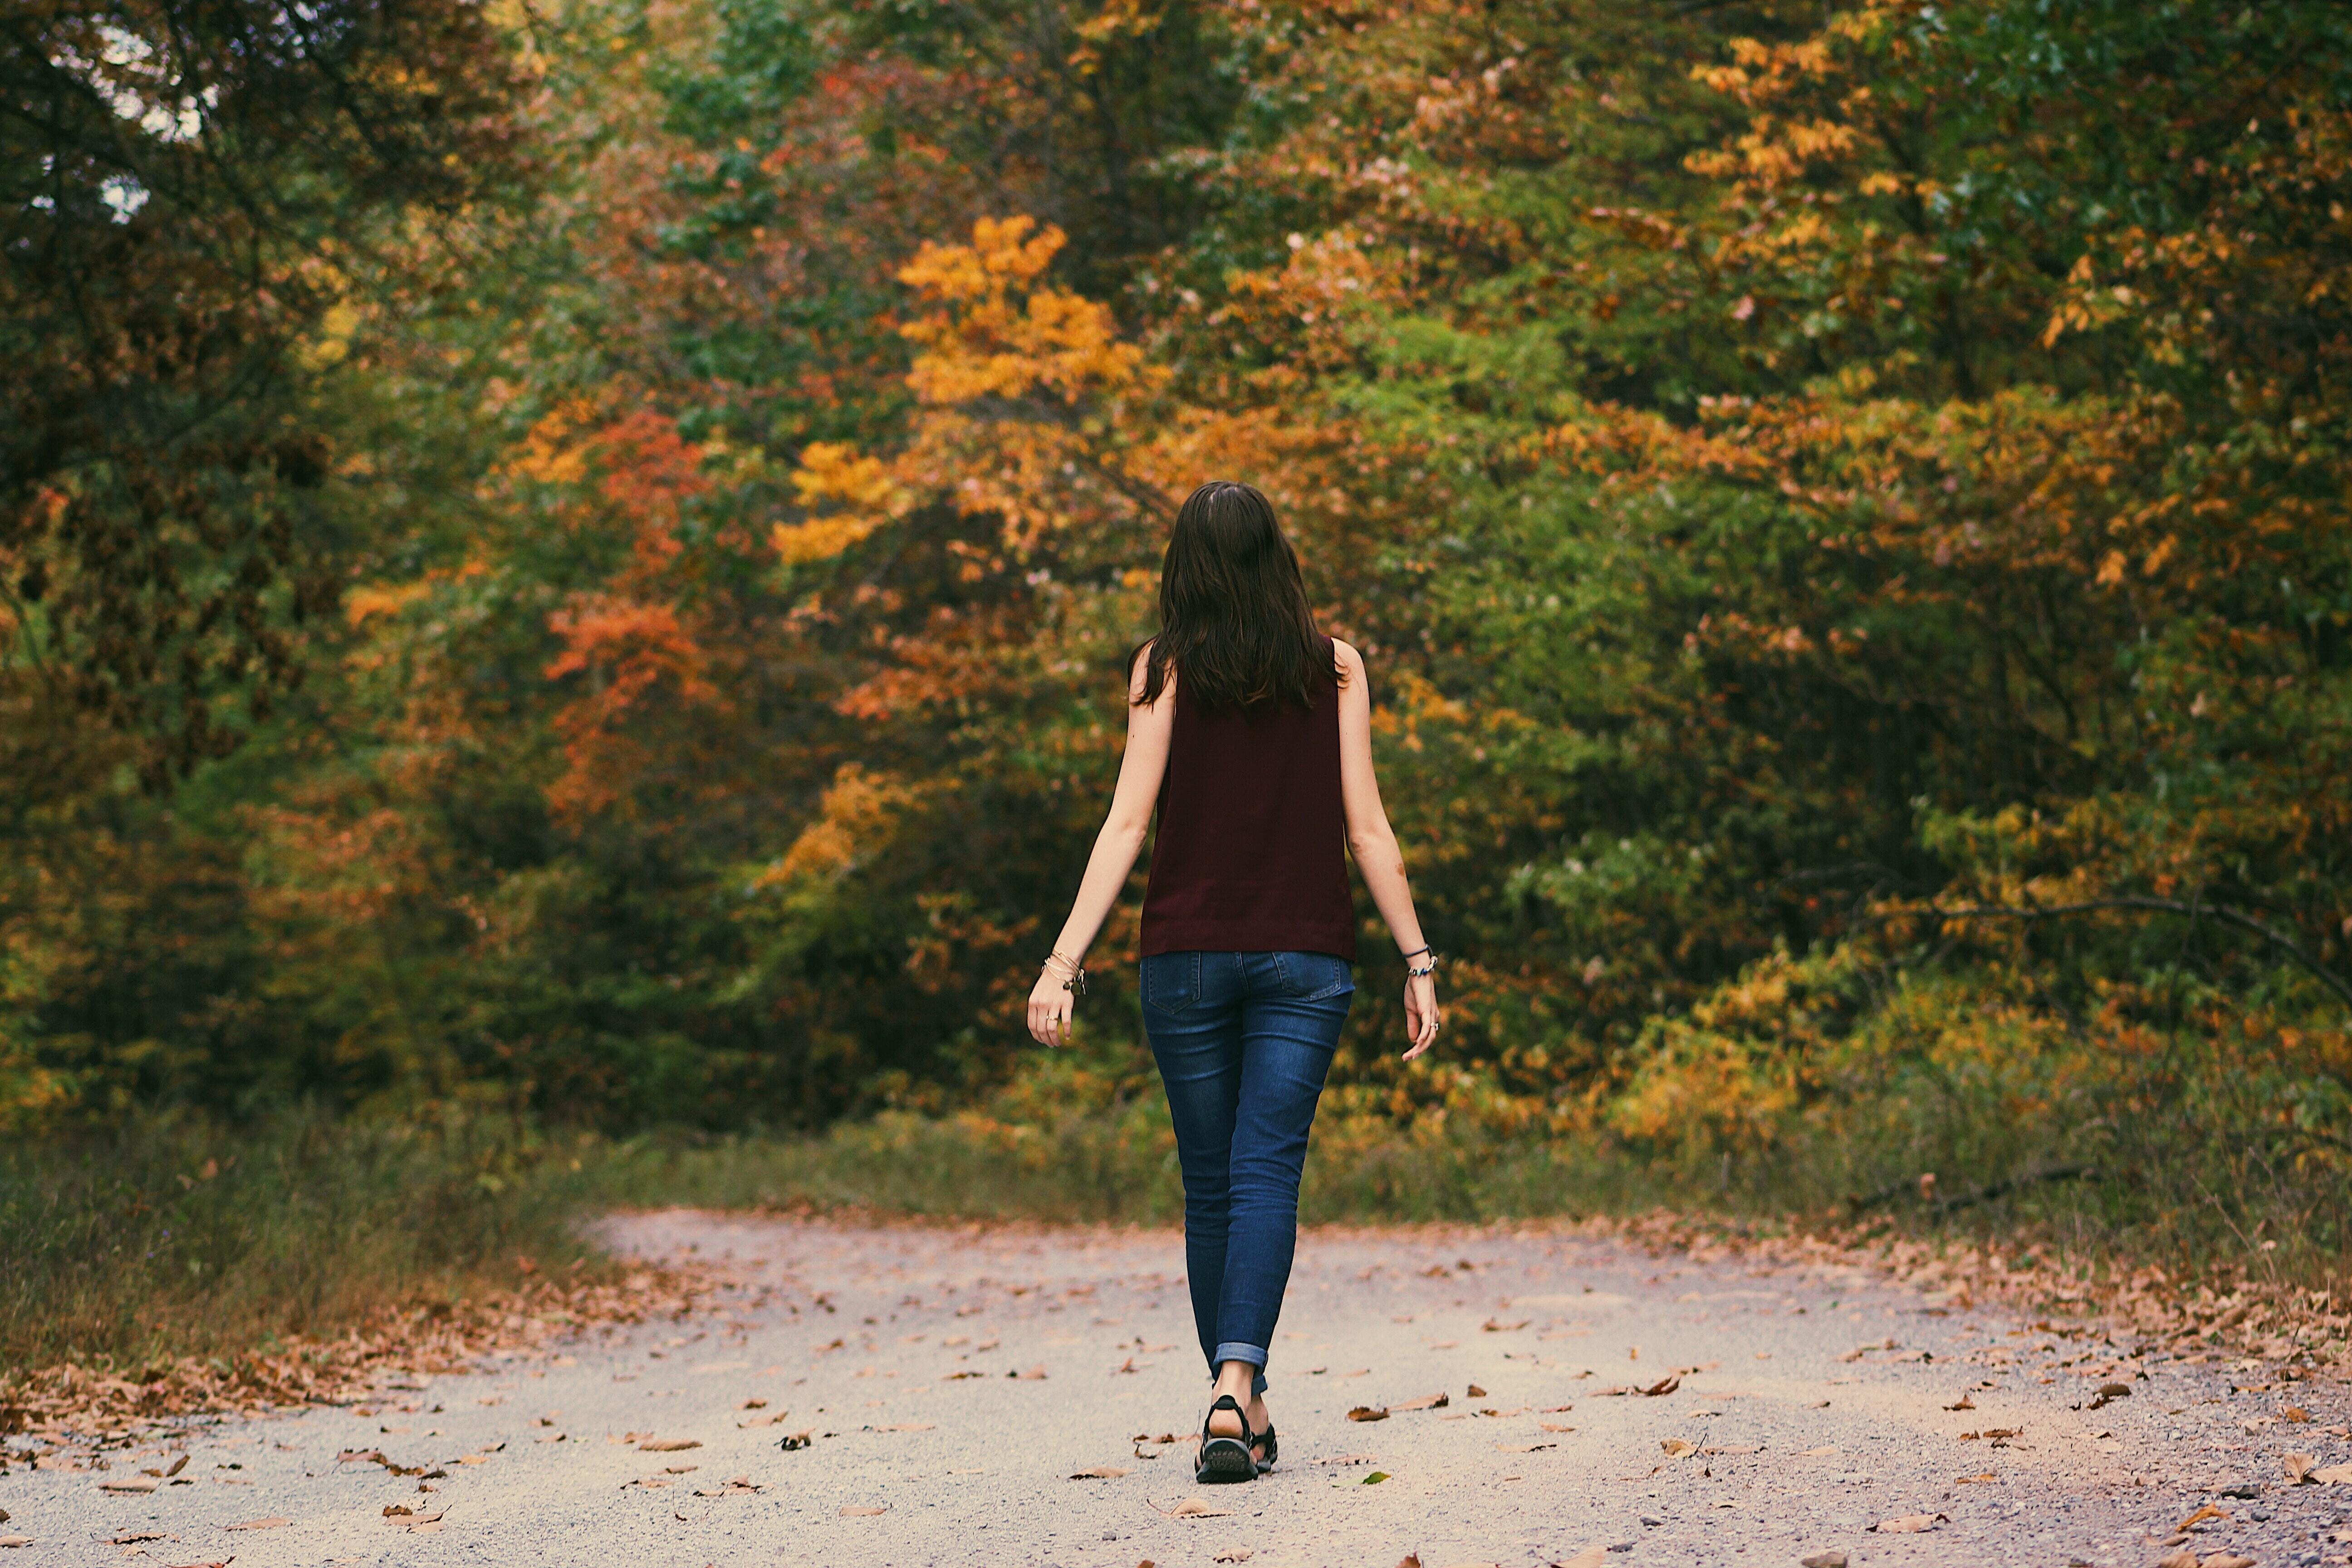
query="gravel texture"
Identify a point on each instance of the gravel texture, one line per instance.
(953, 1380)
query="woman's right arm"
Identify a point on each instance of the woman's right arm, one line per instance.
(1373, 843)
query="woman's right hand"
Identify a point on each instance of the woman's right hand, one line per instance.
(1050, 1009)
(1420, 1012)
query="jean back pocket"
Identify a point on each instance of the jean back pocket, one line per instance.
(1314, 976)
(1172, 981)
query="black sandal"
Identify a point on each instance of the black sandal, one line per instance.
(1272, 1448)
(1224, 1458)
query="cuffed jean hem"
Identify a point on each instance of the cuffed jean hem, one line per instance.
(1254, 1355)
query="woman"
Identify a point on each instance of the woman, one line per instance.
(1253, 734)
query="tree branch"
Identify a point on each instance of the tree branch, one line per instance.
(2222, 912)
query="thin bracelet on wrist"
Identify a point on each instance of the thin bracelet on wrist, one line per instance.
(1074, 983)
(1429, 968)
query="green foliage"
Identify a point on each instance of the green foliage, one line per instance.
(170, 1238)
(1845, 510)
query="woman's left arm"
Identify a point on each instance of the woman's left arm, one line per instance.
(1116, 847)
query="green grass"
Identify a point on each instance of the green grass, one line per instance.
(174, 1237)
(170, 1238)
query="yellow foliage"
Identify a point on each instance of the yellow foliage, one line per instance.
(851, 824)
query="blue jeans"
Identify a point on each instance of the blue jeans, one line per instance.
(1244, 1041)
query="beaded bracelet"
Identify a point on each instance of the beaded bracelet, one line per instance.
(1429, 969)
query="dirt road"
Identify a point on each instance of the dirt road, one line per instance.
(957, 1397)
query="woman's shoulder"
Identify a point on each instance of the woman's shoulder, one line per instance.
(1346, 655)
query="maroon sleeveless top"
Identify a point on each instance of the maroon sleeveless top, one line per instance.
(1251, 851)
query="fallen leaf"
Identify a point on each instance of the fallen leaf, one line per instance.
(128, 1538)
(1594, 1556)
(15, 1540)
(485, 1459)
(656, 1445)
(1523, 1447)
(2228, 1560)
(2183, 1558)
(2299, 1467)
(1818, 1453)
(1474, 1391)
(1976, 1480)
(2294, 1413)
(1193, 1507)
(1368, 1413)
(260, 1524)
(1554, 1426)
(909, 1426)
(753, 1404)
(1035, 1374)
(1964, 1404)
(862, 1510)
(2109, 1392)
(1101, 1473)
(1910, 1523)
(1374, 1479)
(130, 1484)
(795, 1441)
(2333, 1475)
(1234, 1555)
(1664, 1386)
(2200, 1517)
(1494, 1327)
(1831, 1559)
(1426, 1402)
(1675, 1447)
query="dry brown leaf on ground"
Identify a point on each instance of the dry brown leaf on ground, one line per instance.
(2227, 1559)
(1664, 1386)
(1523, 1447)
(1101, 1473)
(2200, 1517)
(2109, 1393)
(1360, 1372)
(2183, 1558)
(1675, 1447)
(1192, 1508)
(1595, 1556)
(1426, 1402)
(1411, 1559)
(2299, 1467)
(668, 1444)
(130, 1484)
(1035, 1374)
(1830, 1559)
(1964, 1404)
(260, 1524)
(15, 1540)
(1910, 1523)
(1232, 1555)
(1495, 1326)
(1554, 1426)
(753, 1404)
(2333, 1475)
(863, 1510)
(1368, 1413)
(1474, 1391)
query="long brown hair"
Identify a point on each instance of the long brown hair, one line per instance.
(1233, 615)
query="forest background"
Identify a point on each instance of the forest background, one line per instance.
(564, 573)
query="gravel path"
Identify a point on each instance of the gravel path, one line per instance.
(951, 1383)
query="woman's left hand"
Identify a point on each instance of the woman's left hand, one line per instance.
(1050, 1009)
(1420, 1012)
